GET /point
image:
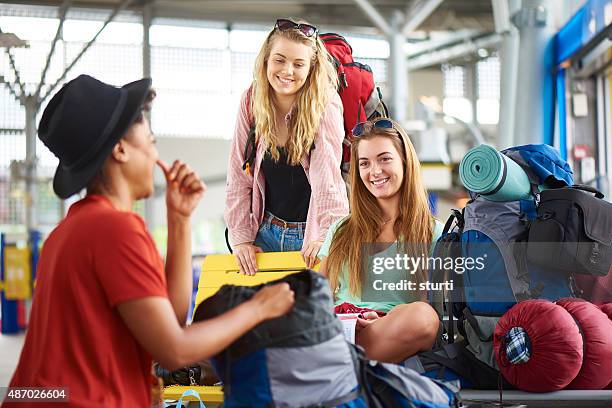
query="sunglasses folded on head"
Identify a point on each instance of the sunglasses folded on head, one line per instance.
(284, 24)
(363, 127)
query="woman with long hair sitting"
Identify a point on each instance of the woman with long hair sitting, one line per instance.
(375, 258)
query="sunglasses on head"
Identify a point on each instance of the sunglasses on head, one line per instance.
(363, 127)
(283, 24)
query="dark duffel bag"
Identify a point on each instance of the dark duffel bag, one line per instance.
(573, 231)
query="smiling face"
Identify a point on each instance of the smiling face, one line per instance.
(288, 66)
(380, 166)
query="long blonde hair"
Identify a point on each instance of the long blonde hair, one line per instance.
(310, 102)
(412, 227)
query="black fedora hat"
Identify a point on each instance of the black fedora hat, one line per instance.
(82, 123)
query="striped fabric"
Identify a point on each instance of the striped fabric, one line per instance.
(245, 193)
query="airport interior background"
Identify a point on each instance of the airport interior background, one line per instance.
(454, 73)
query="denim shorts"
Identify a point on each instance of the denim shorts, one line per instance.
(276, 238)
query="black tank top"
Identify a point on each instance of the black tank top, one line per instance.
(287, 188)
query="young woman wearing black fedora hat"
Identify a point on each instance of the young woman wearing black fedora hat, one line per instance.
(104, 306)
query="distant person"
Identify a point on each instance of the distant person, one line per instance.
(389, 216)
(285, 188)
(103, 305)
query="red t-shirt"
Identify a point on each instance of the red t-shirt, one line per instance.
(96, 258)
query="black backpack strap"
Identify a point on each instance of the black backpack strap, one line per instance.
(589, 189)
(452, 240)
(250, 150)
(467, 314)
(229, 246)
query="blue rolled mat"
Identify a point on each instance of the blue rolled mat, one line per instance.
(493, 175)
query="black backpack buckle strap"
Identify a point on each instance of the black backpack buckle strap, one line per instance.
(250, 150)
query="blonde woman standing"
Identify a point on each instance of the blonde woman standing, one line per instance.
(286, 192)
(390, 216)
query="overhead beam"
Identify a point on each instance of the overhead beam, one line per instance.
(375, 17)
(116, 11)
(456, 51)
(442, 41)
(62, 17)
(418, 13)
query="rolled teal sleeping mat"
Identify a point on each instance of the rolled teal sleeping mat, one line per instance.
(491, 174)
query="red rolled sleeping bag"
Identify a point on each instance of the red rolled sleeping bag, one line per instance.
(596, 329)
(607, 309)
(538, 346)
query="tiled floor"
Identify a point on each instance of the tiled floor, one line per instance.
(10, 349)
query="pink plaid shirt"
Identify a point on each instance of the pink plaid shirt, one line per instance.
(245, 193)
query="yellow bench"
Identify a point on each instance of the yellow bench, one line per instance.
(219, 270)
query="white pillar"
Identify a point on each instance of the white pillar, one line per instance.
(503, 9)
(536, 28)
(147, 17)
(398, 73)
(31, 107)
(471, 88)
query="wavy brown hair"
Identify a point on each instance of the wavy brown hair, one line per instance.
(413, 226)
(311, 99)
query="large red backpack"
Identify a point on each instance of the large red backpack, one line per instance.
(361, 98)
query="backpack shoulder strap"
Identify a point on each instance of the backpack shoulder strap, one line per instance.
(250, 148)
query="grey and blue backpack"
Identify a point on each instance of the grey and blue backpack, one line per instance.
(496, 233)
(303, 360)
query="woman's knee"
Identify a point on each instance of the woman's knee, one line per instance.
(421, 320)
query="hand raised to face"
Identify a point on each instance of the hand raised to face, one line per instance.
(184, 189)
